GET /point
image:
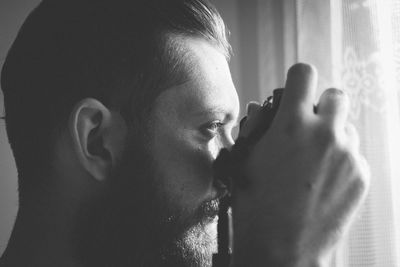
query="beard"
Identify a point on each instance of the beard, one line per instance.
(133, 222)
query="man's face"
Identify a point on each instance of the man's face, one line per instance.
(161, 204)
(190, 124)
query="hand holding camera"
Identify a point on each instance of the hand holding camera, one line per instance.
(305, 178)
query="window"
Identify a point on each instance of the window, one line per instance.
(355, 45)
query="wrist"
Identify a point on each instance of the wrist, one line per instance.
(253, 255)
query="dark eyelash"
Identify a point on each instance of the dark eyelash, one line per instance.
(211, 129)
(215, 125)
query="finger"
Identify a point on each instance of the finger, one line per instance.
(365, 171)
(253, 119)
(361, 187)
(252, 108)
(352, 137)
(299, 94)
(333, 107)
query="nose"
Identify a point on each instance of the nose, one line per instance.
(228, 141)
(224, 141)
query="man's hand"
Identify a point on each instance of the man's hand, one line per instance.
(306, 179)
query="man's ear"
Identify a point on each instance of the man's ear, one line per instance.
(98, 136)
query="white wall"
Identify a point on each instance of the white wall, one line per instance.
(12, 14)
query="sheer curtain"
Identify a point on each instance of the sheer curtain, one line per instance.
(355, 45)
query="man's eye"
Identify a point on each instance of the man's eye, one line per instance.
(211, 129)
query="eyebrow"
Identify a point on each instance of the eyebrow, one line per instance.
(218, 110)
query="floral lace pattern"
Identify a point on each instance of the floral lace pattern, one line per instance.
(360, 79)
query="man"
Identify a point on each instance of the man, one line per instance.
(115, 112)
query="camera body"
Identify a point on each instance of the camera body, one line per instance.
(229, 162)
(228, 169)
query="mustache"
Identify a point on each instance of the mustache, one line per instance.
(175, 226)
(208, 210)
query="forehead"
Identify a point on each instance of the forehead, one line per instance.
(209, 87)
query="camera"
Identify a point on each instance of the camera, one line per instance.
(228, 169)
(229, 162)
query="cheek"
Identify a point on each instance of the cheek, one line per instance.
(214, 146)
(184, 168)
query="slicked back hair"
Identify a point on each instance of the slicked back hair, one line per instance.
(122, 52)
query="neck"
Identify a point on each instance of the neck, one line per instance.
(43, 233)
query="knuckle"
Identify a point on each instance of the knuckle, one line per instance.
(364, 173)
(360, 184)
(350, 129)
(327, 137)
(295, 126)
(359, 180)
(359, 177)
(352, 136)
